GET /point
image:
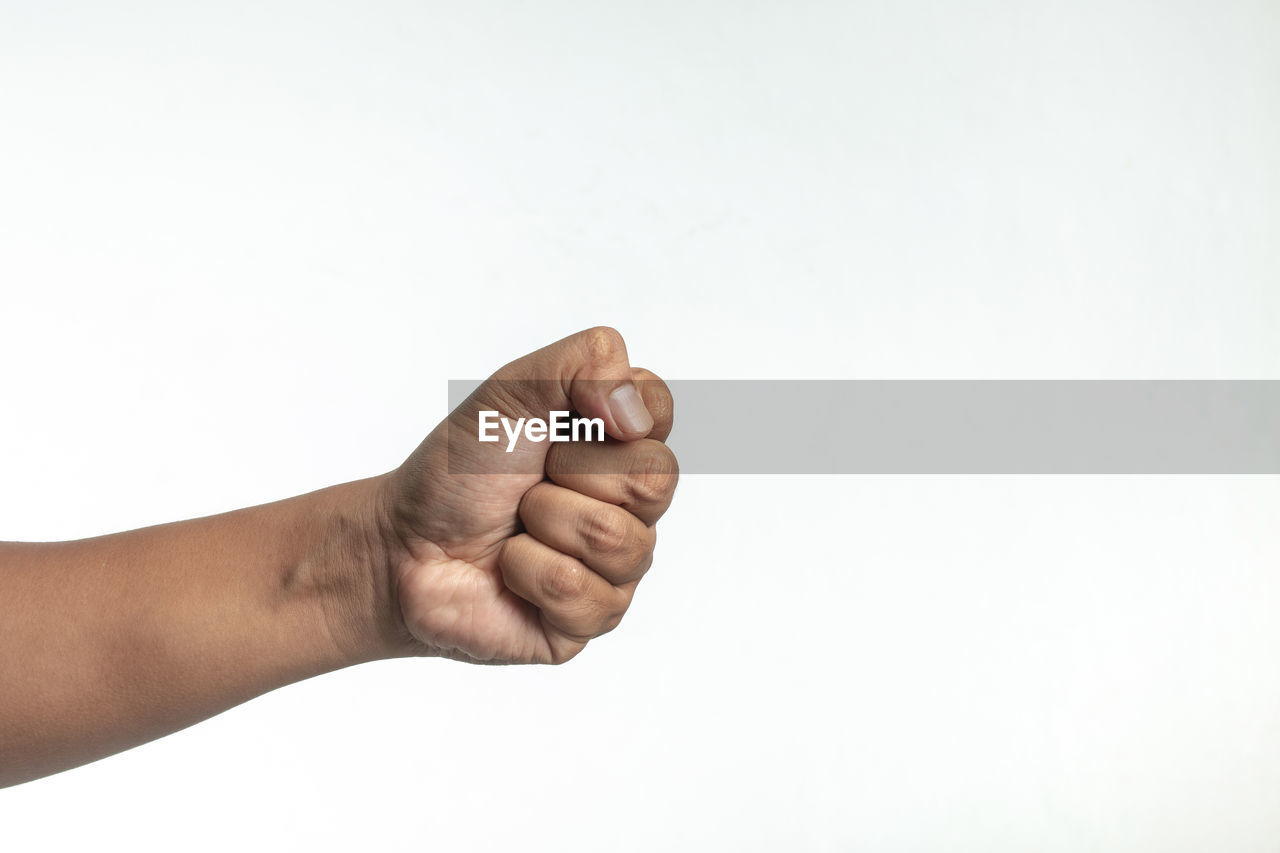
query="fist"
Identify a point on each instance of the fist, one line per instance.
(518, 551)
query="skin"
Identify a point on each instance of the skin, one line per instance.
(480, 556)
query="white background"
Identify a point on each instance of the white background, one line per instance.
(244, 245)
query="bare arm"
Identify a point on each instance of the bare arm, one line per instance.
(109, 642)
(471, 553)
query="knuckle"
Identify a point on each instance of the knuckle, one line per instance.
(611, 621)
(562, 653)
(621, 604)
(658, 394)
(643, 489)
(564, 581)
(612, 616)
(602, 530)
(640, 558)
(653, 476)
(643, 564)
(603, 343)
(662, 405)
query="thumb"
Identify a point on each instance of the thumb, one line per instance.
(587, 372)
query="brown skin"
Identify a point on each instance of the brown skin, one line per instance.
(109, 642)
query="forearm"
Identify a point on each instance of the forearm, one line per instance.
(108, 642)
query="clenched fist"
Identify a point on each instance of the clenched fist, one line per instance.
(489, 552)
(524, 555)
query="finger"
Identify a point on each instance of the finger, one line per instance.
(607, 538)
(588, 372)
(657, 399)
(575, 602)
(638, 476)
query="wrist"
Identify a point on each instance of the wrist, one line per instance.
(348, 568)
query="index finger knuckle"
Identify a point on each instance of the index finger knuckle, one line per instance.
(653, 475)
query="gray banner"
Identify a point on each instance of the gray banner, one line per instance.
(972, 426)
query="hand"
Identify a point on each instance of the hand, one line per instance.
(523, 557)
(464, 551)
